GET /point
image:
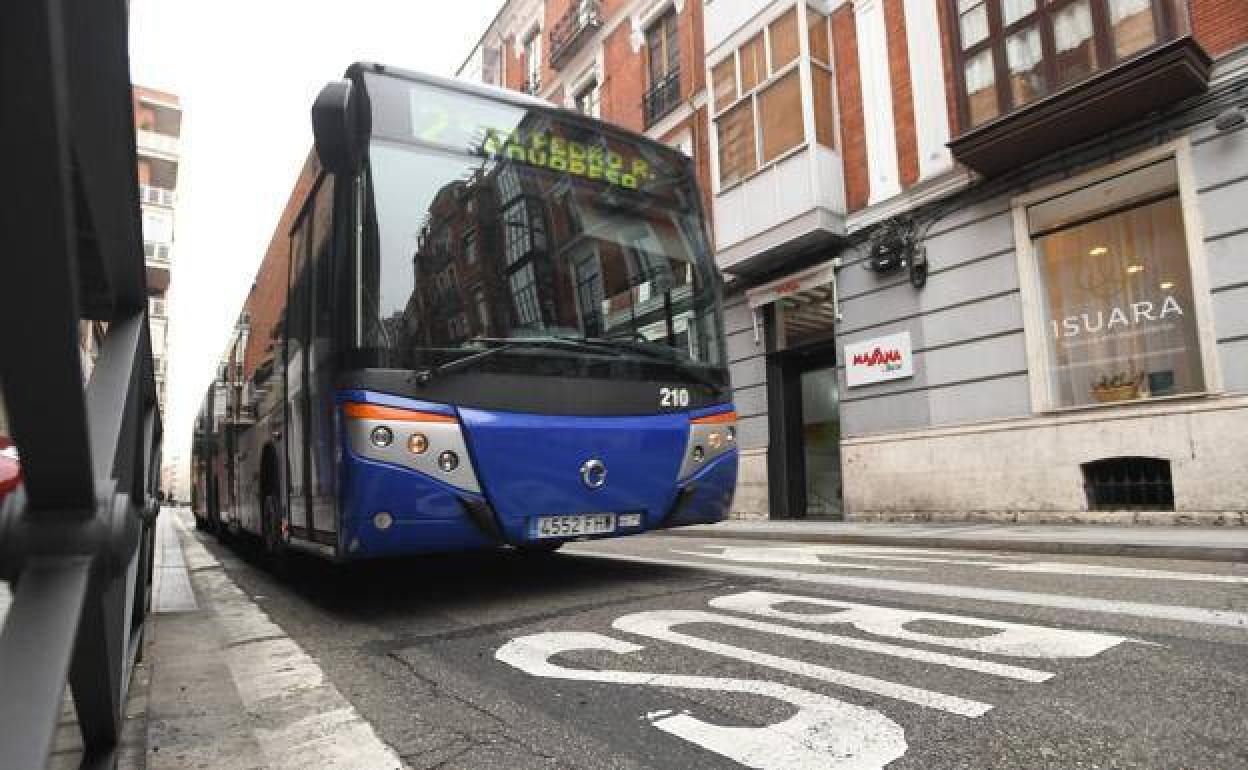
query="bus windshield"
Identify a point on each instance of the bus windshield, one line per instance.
(500, 222)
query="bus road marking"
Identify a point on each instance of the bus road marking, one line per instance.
(1013, 639)
(658, 624)
(825, 732)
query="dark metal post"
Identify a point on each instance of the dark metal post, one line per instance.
(76, 539)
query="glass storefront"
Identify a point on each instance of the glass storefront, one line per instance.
(821, 442)
(1116, 294)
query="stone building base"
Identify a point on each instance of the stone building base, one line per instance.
(1028, 470)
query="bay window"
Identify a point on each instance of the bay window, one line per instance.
(756, 95)
(1014, 52)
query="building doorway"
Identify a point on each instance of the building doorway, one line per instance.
(805, 457)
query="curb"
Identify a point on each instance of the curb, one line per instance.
(1135, 550)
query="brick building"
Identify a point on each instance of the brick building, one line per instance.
(635, 63)
(981, 254)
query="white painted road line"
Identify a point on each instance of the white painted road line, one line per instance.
(824, 733)
(794, 556)
(814, 556)
(1055, 601)
(658, 624)
(1013, 639)
(1099, 570)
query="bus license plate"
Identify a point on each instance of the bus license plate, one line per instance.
(577, 524)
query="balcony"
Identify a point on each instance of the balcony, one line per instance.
(578, 24)
(156, 196)
(156, 258)
(1058, 83)
(159, 144)
(662, 98)
(787, 207)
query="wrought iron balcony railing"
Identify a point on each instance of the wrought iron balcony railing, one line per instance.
(662, 98)
(577, 25)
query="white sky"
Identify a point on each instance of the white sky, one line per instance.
(247, 72)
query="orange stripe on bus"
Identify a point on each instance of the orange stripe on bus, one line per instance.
(712, 419)
(374, 412)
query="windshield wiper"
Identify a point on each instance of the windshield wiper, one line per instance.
(655, 351)
(503, 345)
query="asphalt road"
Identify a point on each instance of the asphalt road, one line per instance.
(689, 653)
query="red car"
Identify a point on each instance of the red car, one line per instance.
(10, 469)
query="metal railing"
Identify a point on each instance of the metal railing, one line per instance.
(572, 30)
(76, 537)
(662, 98)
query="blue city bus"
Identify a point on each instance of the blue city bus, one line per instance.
(484, 322)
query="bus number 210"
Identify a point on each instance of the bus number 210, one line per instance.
(674, 398)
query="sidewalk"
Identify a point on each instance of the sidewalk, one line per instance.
(1205, 543)
(228, 688)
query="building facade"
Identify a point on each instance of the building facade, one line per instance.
(158, 130)
(635, 63)
(983, 256)
(999, 273)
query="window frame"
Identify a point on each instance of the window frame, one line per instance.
(1035, 325)
(772, 77)
(1166, 26)
(533, 63)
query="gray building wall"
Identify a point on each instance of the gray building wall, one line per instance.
(960, 439)
(747, 364)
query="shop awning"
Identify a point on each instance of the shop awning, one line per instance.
(808, 297)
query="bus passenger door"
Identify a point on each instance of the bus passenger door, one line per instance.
(319, 433)
(296, 363)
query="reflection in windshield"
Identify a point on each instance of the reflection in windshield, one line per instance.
(475, 247)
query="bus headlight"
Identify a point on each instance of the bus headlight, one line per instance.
(434, 443)
(709, 437)
(381, 436)
(417, 443)
(448, 461)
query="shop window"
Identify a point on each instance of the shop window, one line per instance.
(1128, 483)
(1013, 52)
(1113, 291)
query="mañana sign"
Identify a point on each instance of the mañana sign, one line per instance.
(879, 360)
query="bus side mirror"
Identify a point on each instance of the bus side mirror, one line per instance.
(335, 128)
